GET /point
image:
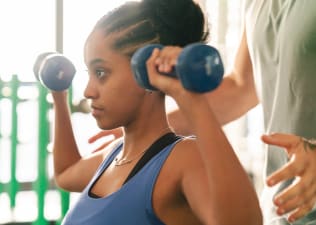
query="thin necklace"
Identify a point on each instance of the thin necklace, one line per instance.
(124, 161)
(121, 162)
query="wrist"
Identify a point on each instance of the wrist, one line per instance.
(60, 97)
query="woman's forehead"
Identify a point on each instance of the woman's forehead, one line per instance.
(98, 45)
(97, 40)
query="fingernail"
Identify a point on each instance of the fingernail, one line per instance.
(271, 182)
(280, 211)
(279, 201)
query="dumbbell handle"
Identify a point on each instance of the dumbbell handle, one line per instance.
(199, 67)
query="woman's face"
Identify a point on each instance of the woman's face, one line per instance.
(115, 96)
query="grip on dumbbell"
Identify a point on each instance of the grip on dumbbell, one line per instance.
(199, 67)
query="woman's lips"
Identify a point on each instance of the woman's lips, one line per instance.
(96, 111)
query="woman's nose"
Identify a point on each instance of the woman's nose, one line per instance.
(90, 91)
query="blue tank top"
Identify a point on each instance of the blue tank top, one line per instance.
(131, 204)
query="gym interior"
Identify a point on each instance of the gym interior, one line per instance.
(28, 194)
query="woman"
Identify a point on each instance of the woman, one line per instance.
(150, 175)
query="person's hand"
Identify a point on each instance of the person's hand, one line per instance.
(115, 133)
(163, 61)
(299, 198)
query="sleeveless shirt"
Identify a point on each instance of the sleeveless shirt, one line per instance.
(131, 204)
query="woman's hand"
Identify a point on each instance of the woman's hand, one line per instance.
(164, 61)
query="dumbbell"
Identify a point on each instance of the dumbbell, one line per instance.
(199, 67)
(54, 71)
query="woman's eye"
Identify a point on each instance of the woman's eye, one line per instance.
(100, 73)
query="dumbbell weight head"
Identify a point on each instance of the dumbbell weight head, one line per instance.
(38, 62)
(54, 71)
(199, 67)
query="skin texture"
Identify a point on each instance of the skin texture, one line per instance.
(191, 188)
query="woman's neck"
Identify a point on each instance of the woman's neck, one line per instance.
(138, 140)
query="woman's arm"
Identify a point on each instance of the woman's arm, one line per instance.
(231, 197)
(71, 171)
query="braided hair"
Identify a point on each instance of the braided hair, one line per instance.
(168, 22)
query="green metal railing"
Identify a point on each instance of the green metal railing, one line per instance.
(9, 90)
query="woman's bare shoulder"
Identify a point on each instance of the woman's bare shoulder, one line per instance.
(186, 153)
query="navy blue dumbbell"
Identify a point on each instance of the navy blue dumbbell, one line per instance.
(199, 67)
(54, 71)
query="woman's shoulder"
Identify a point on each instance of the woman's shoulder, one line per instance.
(186, 152)
(187, 143)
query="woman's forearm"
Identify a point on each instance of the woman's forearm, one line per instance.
(65, 149)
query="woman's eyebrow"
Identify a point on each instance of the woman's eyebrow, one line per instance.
(97, 61)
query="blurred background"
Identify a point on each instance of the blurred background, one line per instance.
(28, 194)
